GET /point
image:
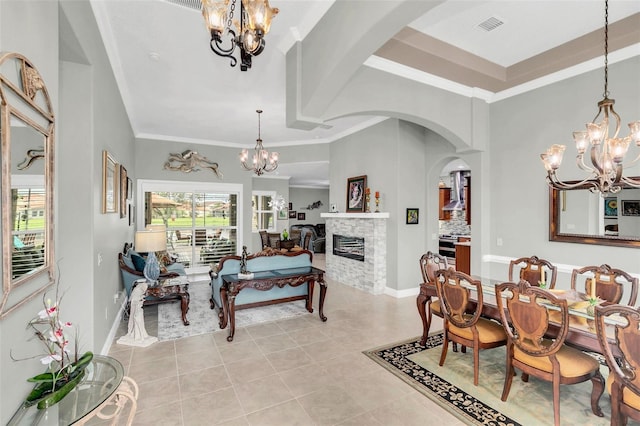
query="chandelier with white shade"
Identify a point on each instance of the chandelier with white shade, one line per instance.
(607, 151)
(246, 34)
(262, 161)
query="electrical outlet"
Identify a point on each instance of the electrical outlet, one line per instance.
(115, 298)
(99, 259)
(499, 242)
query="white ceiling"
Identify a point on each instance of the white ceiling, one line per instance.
(175, 88)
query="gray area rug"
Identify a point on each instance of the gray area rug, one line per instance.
(203, 320)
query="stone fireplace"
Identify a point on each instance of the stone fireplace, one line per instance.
(365, 232)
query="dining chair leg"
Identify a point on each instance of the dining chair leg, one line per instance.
(445, 347)
(616, 417)
(508, 378)
(508, 375)
(556, 398)
(476, 365)
(596, 392)
(425, 315)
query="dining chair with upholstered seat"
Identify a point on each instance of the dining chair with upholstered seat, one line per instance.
(610, 283)
(307, 241)
(623, 382)
(463, 322)
(533, 270)
(274, 239)
(427, 307)
(264, 239)
(524, 310)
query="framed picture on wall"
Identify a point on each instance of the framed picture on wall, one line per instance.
(293, 214)
(302, 216)
(412, 216)
(290, 206)
(123, 191)
(611, 207)
(109, 184)
(282, 214)
(129, 189)
(630, 207)
(355, 194)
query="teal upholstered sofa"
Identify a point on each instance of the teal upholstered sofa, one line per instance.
(132, 271)
(265, 260)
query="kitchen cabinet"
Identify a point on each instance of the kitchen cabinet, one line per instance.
(463, 255)
(445, 197)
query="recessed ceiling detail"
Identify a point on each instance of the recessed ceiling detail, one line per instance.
(191, 4)
(490, 24)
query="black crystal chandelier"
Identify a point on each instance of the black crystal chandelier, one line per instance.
(606, 153)
(246, 34)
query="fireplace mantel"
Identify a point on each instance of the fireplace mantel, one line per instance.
(381, 215)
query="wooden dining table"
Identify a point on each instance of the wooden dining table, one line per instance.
(582, 332)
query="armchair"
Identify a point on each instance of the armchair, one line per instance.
(130, 271)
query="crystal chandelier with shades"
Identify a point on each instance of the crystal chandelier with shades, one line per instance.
(246, 34)
(606, 152)
(262, 161)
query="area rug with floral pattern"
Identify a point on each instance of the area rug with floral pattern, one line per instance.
(451, 386)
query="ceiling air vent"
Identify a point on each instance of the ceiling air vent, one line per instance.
(490, 24)
(190, 4)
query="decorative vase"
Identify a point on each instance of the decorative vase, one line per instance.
(49, 392)
(591, 310)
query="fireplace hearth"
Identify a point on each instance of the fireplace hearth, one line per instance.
(349, 247)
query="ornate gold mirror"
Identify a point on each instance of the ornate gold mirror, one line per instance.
(26, 132)
(580, 216)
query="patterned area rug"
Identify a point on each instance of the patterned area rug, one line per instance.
(203, 320)
(451, 386)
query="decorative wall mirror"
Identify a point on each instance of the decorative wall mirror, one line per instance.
(26, 133)
(580, 216)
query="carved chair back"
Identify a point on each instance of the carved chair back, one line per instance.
(625, 366)
(454, 292)
(533, 270)
(431, 262)
(610, 283)
(527, 321)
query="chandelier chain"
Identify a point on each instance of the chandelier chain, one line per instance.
(606, 48)
(231, 10)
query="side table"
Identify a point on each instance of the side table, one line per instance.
(172, 289)
(104, 393)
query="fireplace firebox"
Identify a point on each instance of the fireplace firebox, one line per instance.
(349, 247)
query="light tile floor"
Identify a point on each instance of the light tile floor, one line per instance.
(290, 372)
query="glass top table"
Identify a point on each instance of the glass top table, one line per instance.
(103, 377)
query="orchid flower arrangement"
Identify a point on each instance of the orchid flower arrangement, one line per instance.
(50, 330)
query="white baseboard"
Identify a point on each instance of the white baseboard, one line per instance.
(399, 294)
(114, 328)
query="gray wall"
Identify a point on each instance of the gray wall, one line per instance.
(302, 198)
(62, 40)
(524, 126)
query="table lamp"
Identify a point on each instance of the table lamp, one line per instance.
(150, 241)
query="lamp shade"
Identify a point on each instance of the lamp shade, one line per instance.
(150, 241)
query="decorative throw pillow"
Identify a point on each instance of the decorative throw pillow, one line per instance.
(138, 262)
(164, 258)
